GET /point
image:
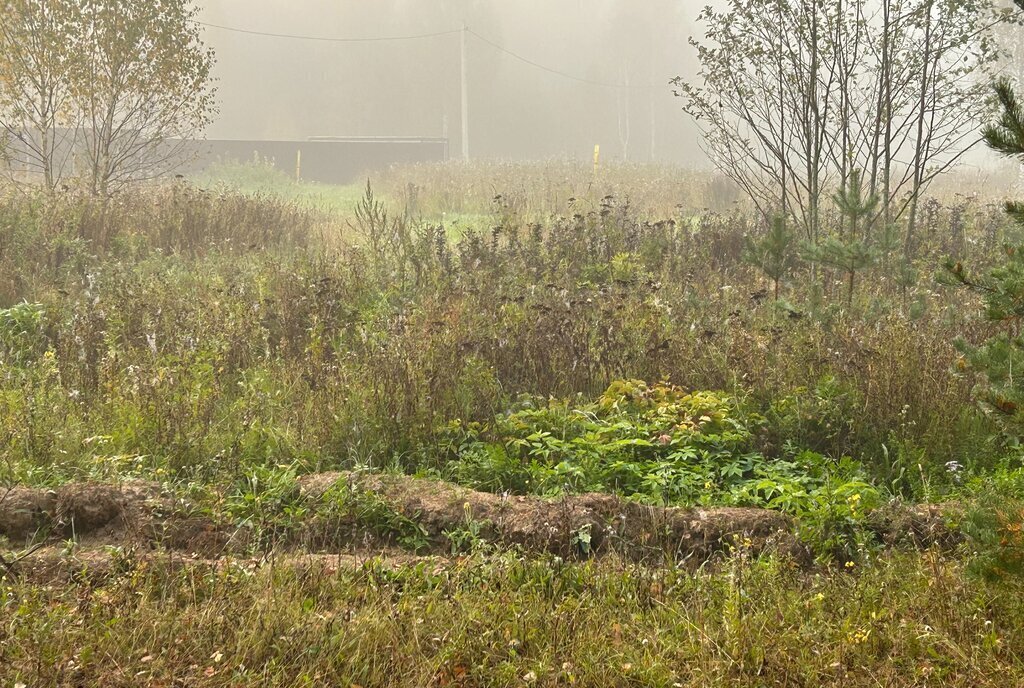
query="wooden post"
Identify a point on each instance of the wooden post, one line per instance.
(298, 165)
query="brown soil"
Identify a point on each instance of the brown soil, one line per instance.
(612, 524)
(918, 526)
(139, 516)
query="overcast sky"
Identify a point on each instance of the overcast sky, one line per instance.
(283, 88)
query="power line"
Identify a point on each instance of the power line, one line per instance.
(329, 39)
(552, 70)
(484, 39)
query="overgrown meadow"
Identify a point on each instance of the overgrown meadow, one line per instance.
(541, 330)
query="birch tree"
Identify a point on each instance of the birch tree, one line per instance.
(118, 86)
(39, 49)
(794, 95)
(144, 89)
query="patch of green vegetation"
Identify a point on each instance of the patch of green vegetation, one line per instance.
(367, 509)
(262, 178)
(197, 337)
(659, 444)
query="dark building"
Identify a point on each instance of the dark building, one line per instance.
(327, 159)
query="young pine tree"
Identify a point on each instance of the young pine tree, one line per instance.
(848, 252)
(772, 252)
(1000, 360)
(1007, 134)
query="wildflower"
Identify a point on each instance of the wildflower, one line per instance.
(860, 636)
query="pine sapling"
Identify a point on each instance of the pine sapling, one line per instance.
(772, 252)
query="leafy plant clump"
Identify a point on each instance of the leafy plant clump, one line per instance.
(656, 444)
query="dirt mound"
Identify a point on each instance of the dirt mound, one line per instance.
(574, 525)
(138, 513)
(97, 513)
(919, 526)
(25, 512)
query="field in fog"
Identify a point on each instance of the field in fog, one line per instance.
(460, 422)
(548, 343)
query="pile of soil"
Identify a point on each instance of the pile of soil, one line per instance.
(575, 525)
(140, 514)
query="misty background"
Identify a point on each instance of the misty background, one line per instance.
(281, 88)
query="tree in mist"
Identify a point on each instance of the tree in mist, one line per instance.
(113, 88)
(144, 88)
(636, 50)
(794, 95)
(38, 55)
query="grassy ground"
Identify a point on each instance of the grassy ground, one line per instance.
(264, 179)
(904, 620)
(533, 332)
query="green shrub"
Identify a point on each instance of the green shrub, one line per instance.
(822, 417)
(994, 525)
(267, 499)
(22, 338)
(656, 443)
(344, 504)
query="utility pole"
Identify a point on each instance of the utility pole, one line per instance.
(465, 97)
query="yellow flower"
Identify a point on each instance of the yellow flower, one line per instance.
(860, 636)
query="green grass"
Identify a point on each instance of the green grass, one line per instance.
(336, 200)
(264, 179)
(904, 620)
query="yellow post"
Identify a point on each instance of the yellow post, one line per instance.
(298, 165)
(597, 158)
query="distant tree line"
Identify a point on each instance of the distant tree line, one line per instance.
(101, 93)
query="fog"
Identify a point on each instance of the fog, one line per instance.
(285, 88)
